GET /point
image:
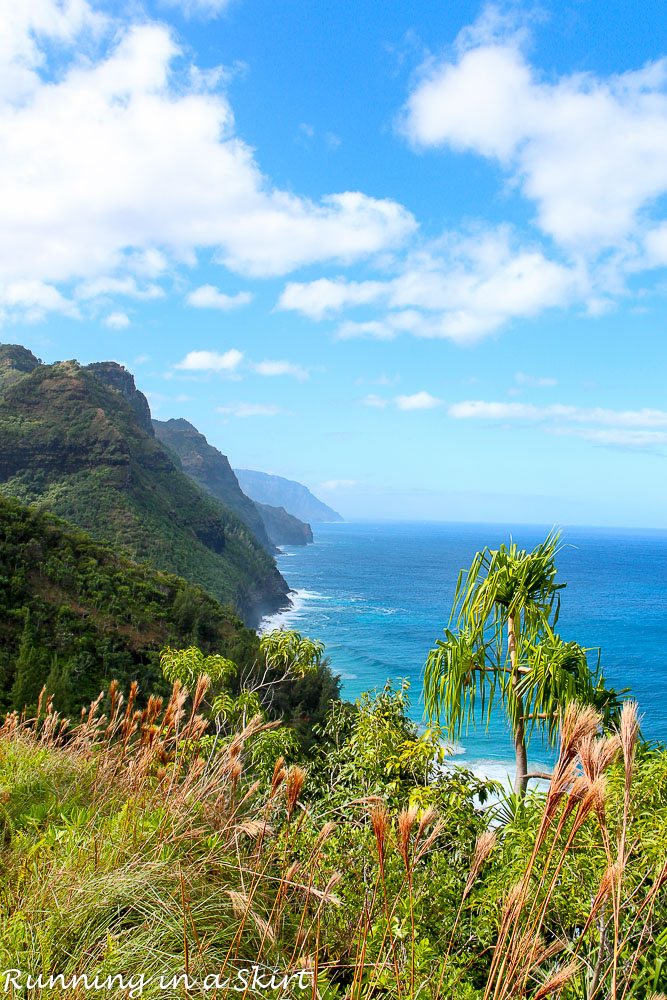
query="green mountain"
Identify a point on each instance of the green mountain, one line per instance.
(295, 498)
(78, 441)
(75, 614)
(283, 528)
(212, 471)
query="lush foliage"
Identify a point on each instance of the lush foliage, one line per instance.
(252, 828)
(502, 645)
(77, 447)
(131, 848)
(75, 614)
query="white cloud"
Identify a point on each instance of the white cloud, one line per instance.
(481, 410)
(324, 297)
(590, 152)
(373, 328)
(117, 320)
(418, 401)
(144, 166)
(272, 369)
(200, 8)
(332, 485)
(107, 286)
(623, 439)
(535, 381)
(375, 402)
(211, 361)
(250, 410)
(31, 300)
(462, 288)
(25, 25)
(210, 297)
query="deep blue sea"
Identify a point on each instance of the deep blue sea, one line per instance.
(379, 594)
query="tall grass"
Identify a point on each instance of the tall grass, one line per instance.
(130, 847)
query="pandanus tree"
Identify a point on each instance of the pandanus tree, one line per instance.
(501, 645)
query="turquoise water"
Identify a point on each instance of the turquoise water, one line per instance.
(379, 594)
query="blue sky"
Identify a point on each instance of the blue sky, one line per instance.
(412, 255)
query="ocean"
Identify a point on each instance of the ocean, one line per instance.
(379, 594)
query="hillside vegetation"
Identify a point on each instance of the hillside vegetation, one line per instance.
(211, 470)
(78, 442)
(136, 847)
(75, 614)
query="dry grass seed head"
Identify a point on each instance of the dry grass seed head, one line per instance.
(324, 834)
(483, 847)
(578, 722)
(427, 818)
(279, 775)
(629, 733)
(294, 782)
(558, 981)
(380, 824)
(406, 821)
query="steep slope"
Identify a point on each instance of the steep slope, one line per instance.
(279, 492)
(76, 446)
(211, 470)
(283, 528)
(75, 614)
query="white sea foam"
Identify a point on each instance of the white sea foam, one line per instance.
(299, 600)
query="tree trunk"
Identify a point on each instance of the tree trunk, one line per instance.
(520, 752)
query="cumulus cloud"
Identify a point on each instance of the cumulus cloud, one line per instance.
(144, 164)
(418, 401)
(117, 320)
(32, 300)
(210, 297)
(325, 296)
(211, 361)
(372, 328)
(463, 287)
(271, 369)
(104, 287)
(240, 409)
(590, 152)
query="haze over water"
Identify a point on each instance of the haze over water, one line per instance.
(379, 594)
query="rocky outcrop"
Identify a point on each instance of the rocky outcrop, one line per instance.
(117, 377)
(283, 528)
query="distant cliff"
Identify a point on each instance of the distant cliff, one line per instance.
(283, 528)
(78, 441)
(211, 470)
(295, 498)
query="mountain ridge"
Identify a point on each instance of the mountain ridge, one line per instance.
(74, 440)
(211, 470)
(293, 496)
